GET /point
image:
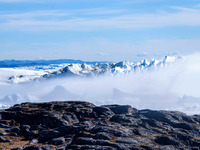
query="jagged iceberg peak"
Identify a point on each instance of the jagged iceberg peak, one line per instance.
(169, 59)
(124, 64)
(145, 62)
(154, 62)
(86, 66)
(17, 98)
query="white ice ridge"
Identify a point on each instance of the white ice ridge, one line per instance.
(120, 68)
(27, 74)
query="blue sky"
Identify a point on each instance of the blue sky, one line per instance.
(111, 30)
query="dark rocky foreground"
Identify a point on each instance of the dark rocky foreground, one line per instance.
(81, 125)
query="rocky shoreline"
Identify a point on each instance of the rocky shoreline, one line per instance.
(74, 125)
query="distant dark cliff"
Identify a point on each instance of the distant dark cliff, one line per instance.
(81, 125)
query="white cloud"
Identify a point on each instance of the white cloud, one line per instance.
(16, 1)
(12, 15)
(101, 54)
(75, 20)
(32, 14)
(184, 8)
(139, 1)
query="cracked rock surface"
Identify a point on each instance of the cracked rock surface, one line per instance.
(75, 125)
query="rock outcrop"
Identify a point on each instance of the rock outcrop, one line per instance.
(74, 125)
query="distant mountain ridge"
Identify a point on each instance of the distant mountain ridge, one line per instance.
(25, 63)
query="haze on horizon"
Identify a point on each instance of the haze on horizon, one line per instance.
(98, 30)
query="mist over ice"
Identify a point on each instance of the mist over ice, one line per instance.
(174, 87)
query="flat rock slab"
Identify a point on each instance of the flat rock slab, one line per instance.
(81, 125)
